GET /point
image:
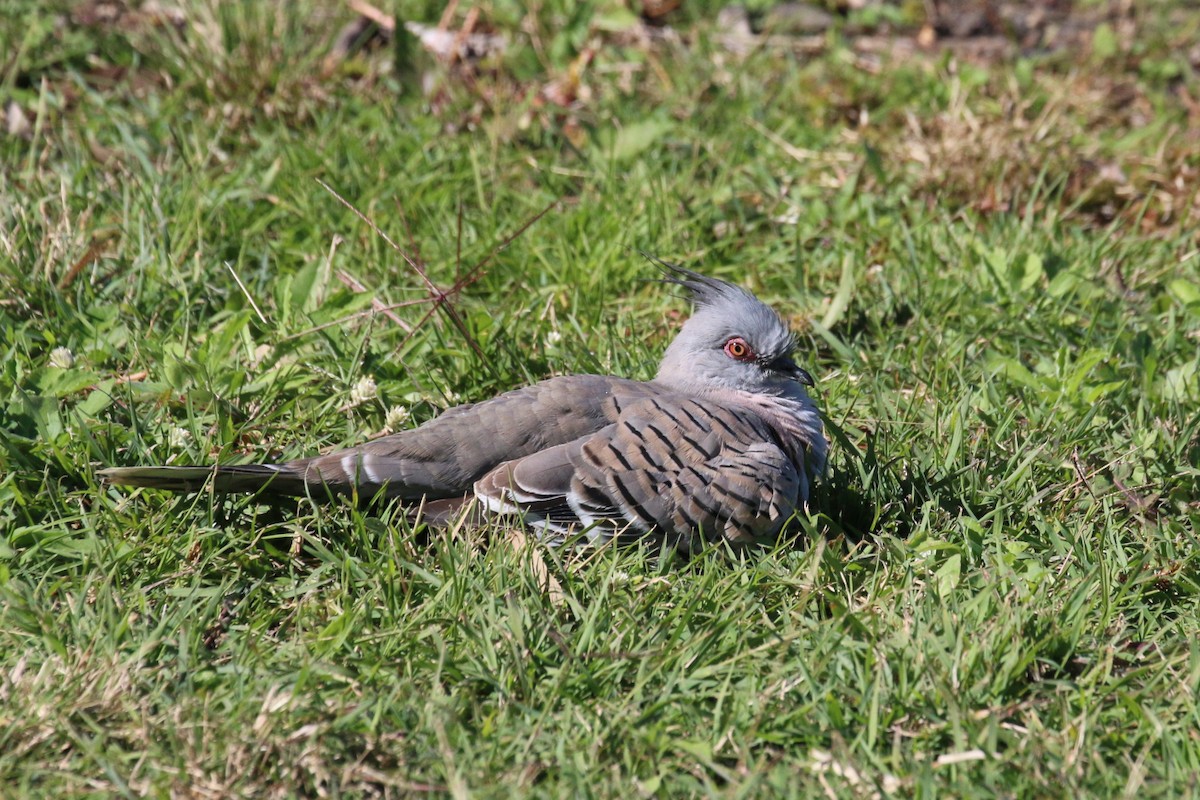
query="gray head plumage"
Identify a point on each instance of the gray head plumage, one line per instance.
(732, 341)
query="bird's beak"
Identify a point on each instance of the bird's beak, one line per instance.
(788, 367)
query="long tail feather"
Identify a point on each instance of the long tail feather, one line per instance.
(241, 478)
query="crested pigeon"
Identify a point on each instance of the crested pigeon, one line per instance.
(723, 443)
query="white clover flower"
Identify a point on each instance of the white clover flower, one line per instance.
(179, 438)
(62, 357)
(553, 338)
(364, 390)
(396, 417)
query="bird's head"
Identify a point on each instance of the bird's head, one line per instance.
(732, 341)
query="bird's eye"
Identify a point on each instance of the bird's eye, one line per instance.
(737, 349)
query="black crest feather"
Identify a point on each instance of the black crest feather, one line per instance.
(702, 290)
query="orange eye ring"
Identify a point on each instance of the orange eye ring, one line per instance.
(737, 349)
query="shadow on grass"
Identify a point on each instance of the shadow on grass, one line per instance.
(869, 494)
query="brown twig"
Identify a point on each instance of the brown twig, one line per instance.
(377, 305)
(92, 255)
(460, 39)
(365, 9)
(351, 317)
(1136, 503)
(448, 15)
(1082, 476)
(441, 298)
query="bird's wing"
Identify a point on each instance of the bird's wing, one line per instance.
(669, 464)
(440, 459)
(445, 456)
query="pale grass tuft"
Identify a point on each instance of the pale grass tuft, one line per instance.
(364, 391)
(179, 437)
(62, 357)
(823, 763)
(396, 417)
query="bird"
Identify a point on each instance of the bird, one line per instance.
(724, 444)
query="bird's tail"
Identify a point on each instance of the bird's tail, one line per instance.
(279, 479)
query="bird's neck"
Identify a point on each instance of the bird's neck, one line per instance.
(794, 418)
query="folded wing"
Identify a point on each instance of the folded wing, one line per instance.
(668, 464)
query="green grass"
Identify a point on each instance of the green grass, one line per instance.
(997, 592)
